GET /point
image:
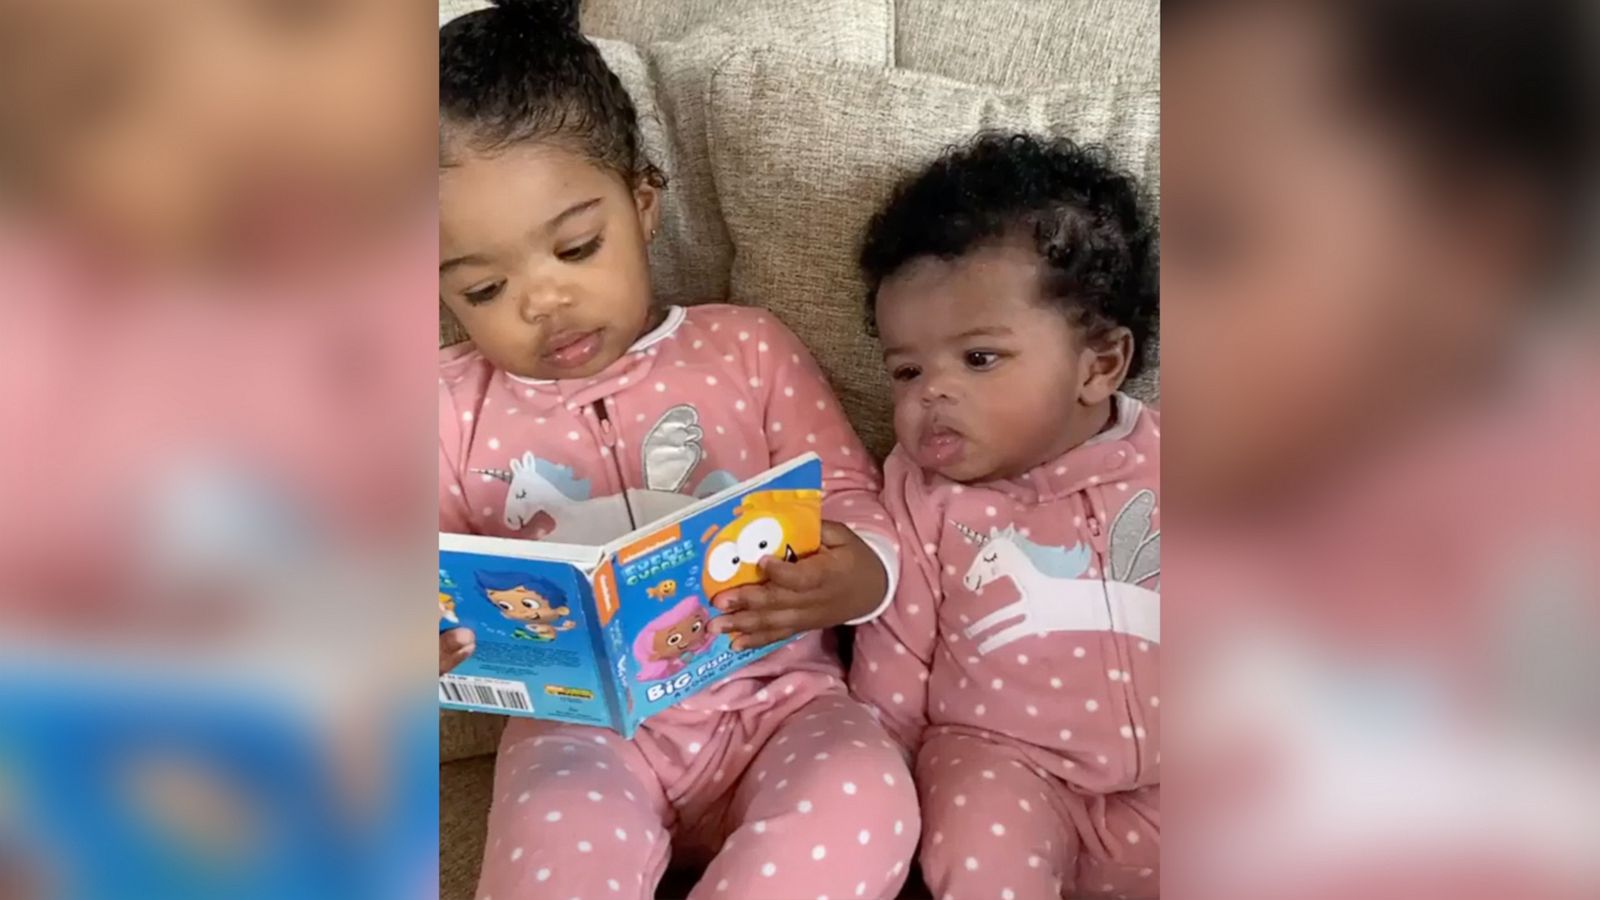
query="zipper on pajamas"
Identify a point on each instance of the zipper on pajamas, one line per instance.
(1130, 701)
(608, 437)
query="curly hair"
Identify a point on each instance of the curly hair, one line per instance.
(1087, 219)
(520, 72)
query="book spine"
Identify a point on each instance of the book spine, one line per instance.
(610, 654)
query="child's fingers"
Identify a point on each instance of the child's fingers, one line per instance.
(732, 601)
(728, 603)
(805, 575)
(763, 597)
(776, 619)
(759, 639)
(735, 623)
(455, 646)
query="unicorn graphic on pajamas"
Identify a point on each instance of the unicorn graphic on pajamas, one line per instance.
(551, 501)
(1052, 593)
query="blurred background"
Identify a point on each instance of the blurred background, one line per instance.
(1382, 398)
(216, 490)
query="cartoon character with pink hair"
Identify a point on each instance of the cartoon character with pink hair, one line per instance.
(673, 638)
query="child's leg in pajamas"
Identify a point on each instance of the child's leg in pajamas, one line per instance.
(1121, 839)
(825, 809)
(576, 813)
(991, 830)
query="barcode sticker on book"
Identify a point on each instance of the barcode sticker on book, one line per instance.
(487, 693)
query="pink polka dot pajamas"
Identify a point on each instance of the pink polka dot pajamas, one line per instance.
(801, 795)
(1019, 662)
(775, 779)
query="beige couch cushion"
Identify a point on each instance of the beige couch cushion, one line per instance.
(465, 789)
(804, 152)
(837, 29)
(683, 43)
(1047, 41)
(464, 735)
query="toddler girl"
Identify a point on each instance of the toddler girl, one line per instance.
(576, 391)
(1014, 287)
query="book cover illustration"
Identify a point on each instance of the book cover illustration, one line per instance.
(612, 635)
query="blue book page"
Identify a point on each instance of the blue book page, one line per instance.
(660, 636)
(536, 649)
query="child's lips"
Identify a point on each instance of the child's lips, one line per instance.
(574, 349)
(941, 446)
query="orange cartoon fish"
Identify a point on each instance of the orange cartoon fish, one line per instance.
(784, 524)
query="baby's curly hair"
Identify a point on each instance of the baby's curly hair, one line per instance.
(1087, 219)
(520, 71)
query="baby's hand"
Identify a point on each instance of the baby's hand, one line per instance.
(843, 581)
(455, 646)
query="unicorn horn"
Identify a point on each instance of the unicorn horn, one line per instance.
(501, 474)
(972, 536)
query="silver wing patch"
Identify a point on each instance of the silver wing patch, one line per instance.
(672, 450)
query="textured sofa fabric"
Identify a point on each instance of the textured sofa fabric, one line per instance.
(1029, 43)
(848, 29)
(844, 29)
(804, 152)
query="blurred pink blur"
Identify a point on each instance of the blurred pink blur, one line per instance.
(217, 267)
(1381, 375)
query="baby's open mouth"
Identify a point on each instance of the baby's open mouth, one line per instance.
(940, 446)
(574, 349)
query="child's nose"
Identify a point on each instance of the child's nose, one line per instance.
(937, 388)
(542, 299)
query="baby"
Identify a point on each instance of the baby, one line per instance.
(576, 392)
(1014, 286)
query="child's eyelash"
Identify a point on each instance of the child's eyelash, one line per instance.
(478, 296)
(582, 251)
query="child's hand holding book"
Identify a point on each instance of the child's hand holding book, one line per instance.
(455, 646)
(841, 583)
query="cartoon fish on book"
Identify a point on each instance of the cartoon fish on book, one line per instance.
(784, 524)
(664, 591)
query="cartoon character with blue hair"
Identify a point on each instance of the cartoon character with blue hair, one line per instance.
(535, 602)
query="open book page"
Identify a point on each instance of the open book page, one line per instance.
(651, 507)
(538, 650)
(663, 579)
(584, 557)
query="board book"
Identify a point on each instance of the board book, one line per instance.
(609, 635)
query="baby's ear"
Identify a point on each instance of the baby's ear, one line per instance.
(647, 200)
(1103, 366)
